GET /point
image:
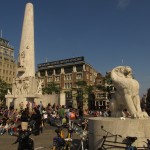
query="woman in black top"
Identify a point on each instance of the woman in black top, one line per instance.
(36, 116)
(24, 120)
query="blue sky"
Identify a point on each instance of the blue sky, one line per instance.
(103, 31)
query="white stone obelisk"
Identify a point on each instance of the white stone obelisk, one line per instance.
(26, 87)
(26, 60)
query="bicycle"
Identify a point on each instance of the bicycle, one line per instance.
(83, 136)
(126, 143)
(84, 140)
(61, 143)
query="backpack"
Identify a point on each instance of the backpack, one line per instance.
(72, 115)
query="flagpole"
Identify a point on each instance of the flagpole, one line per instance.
(122, 61)
(1, 33)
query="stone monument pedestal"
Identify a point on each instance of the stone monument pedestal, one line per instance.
(129, 127)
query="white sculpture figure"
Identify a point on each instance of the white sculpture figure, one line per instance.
(39, 89)
(26, 86)
(8, 92)
(19, 89)
(22, 58)
(127, 93)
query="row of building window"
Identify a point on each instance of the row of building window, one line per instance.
(6, 51)
(66, 78)
(69, 77)
(68, 85)
(7, 72)
(67, 70)
(7, 58)
(89, 69)
(102, 103)
(42, 73)
(7, 79)
(101, 95)
(7, 65)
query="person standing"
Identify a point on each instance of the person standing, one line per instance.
(126, 113)
(37, 118)
(33, 105)
(72, 117)
(28, 105)
(24, 120)
(80, 113)
(21, 105)
(61, 113)
(40, 107)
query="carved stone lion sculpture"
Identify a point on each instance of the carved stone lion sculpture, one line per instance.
(127, 93)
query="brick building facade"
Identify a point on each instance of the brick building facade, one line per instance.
(65, 73)
(7, 62)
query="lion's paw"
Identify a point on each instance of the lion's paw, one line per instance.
(145, 115)
(138, 115)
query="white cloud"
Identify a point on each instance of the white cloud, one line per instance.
(122, 4)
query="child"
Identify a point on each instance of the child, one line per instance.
(12, 127)
(4, 126)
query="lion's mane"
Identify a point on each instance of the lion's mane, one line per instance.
(127, 93)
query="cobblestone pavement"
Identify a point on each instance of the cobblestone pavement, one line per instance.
(41, 142)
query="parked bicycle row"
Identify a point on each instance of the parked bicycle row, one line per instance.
(116, 141)
(74, 127)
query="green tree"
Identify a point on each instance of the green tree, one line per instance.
(50, 88)
(81, 84)
(109, 85)
(89, 89)
(101, 87)
(148, 102)
(84, 91)
(3, 90)
(107, 78)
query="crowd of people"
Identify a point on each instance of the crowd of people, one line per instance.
(35, 116)
(13, 120)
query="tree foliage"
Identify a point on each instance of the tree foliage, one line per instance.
(81, 84)
(50, 88)
(3, 89)
(83, 88)
(148, 101)
(107, 78)
(89, 89)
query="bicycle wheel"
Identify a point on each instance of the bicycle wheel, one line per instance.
(101, 148)
(69, 146)
(60, 148)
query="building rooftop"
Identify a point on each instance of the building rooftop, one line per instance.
(63, 62)
(5, 43)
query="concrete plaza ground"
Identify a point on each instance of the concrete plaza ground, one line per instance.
(43, 140)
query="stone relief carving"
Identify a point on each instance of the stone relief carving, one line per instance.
(22, 87)
(39, 88)
(18, 85)
(26, 87)
(127, 93)
(22, 58)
